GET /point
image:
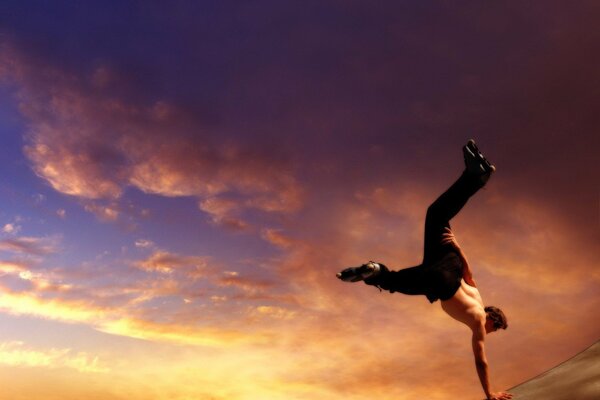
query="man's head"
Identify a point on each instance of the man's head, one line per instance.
(495, 319)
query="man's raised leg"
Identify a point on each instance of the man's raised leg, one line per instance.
(477, 172)
(410, 280)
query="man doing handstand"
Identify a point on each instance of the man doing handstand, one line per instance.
(444, 273)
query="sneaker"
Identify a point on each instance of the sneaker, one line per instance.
(355, 274)
(476, 163)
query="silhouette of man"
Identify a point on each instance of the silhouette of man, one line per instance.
(445, 274)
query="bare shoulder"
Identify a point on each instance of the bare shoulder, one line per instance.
(478, 326)
(465, 308)
(471, 291)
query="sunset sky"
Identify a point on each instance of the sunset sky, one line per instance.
(180, 182)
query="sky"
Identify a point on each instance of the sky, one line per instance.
(180, 182)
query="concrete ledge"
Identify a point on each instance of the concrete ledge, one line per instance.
(575, 379)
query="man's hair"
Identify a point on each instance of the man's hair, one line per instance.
(497, 316)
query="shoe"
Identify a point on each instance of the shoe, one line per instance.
(355, 274)
(476, 163)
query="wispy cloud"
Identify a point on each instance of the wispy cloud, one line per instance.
(144, 243)
(36, 246)
(18, 354)
(223, 212)
(103, 212)
(89, 144)
(165, 262)
(248, 283)
(11, 228)
(276, 237)
(12, 267)
(182, 287)
(118, 320)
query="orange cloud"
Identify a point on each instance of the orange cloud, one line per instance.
(57, 309)
(87, 144)
(275, 237)
(120, 321)
(165, 262)
(179, 334)
(222, 211)
(248, 283)
(127, 307)
(104, 213)
(11, 267)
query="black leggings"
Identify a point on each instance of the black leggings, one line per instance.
(438, 277)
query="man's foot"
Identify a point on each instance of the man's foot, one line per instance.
(476, 163)
(355, 274)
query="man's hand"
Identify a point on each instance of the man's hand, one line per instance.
(500, 396)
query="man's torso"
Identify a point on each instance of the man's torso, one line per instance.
(465, 306)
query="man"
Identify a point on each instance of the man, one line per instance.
(444, 273)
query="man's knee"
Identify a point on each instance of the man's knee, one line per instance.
(435, 215)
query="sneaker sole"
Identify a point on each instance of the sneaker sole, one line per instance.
(485, 165)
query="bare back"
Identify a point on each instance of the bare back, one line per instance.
(466, 306)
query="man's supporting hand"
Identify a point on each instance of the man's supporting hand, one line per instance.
(500, 396)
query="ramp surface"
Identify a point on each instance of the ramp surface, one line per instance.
(575, 379)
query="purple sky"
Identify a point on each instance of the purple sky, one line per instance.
(181, 181)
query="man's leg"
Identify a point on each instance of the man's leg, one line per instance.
(408, 280)
(442, 210)
(412, 280)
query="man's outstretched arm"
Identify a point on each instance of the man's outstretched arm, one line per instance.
(482, 365)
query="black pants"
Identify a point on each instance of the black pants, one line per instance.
(439, 275)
